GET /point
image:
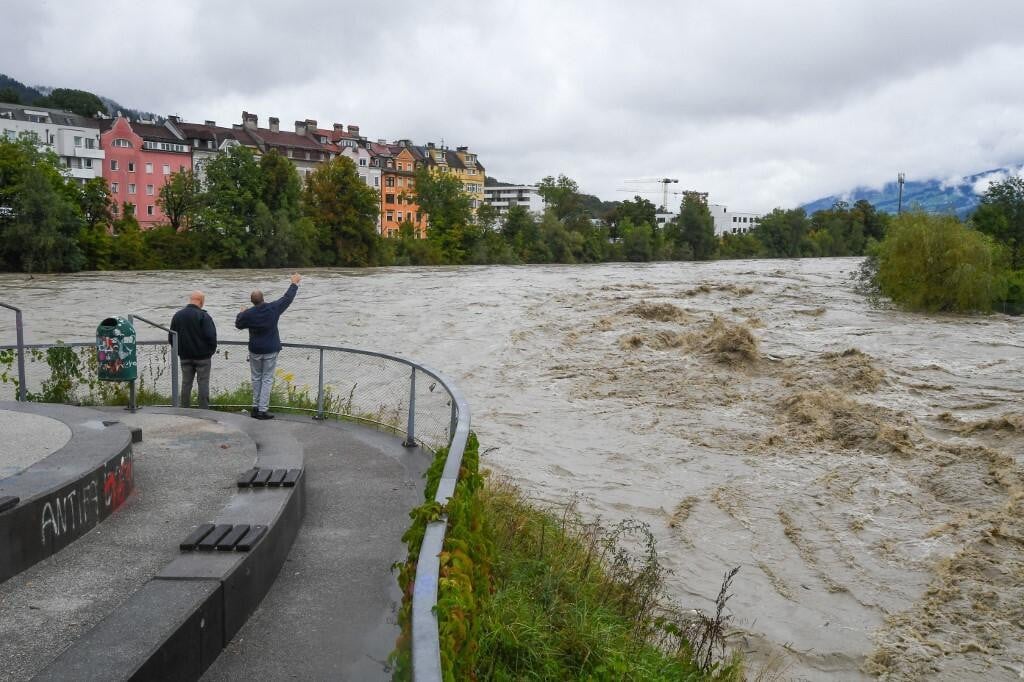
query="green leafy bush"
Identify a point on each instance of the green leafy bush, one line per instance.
(937, 264)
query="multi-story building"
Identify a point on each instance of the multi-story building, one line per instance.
(207, 140)
(140, 158)
(75, 139)
(398, 189)
(733, 222)
(505, 196)
(300, 147)
(463, 164)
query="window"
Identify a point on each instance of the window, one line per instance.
(399, 216)
(165, 146)
(362, 162)
(390, 215)
(114, 209)
(113, 164)
(115, 187)
(149, 168)
(149, 190)
(87, 163)
(131, 188)
(149, 210)
(412, 217)
(135, 210)
(389, 198)
(90, 143)
(376, 181)
(78, 140)
(131, 166)
(121, 142)
(167, 169)
(389, 181)
(366, 180)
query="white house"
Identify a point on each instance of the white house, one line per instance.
(733, 222)
(504, 197)
(75, 139)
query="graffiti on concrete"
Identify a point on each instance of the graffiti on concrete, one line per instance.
(70, 513)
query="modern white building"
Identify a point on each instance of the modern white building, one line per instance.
(726, 221)
(504, 197)
(75, 139)
(733, 222)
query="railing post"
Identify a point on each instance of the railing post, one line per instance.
(320, 389)
(20, 329)
(175, 390)
(410, 429)
(454, 423)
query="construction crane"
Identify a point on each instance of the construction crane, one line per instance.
(664, 182)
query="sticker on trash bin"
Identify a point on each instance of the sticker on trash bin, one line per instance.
(115, 350)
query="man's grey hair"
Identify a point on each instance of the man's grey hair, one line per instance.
(256, 297)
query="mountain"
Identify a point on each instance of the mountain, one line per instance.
(40, 95)
(958, 195)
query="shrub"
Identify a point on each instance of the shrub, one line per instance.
(936, 263)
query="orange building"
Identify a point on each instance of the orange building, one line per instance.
(398, 205)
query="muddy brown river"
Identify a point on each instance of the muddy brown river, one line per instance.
(863, 467)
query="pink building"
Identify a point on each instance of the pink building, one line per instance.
(140, 158)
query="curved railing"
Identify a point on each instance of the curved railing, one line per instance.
(351, 383)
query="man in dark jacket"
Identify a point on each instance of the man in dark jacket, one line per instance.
(264, 343)
(197, 342)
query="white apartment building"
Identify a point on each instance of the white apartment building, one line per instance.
(726, 221)
(733, 222)
(75, 139)
(504, 197)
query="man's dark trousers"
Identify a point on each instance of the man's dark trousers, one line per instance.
(192, 369)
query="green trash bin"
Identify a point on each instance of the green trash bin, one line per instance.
(115, 350)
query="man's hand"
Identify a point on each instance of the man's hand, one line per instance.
(296, 278)
(244, 308)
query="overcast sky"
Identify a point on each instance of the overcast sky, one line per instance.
(761, 103)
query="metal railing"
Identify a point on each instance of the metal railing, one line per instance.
(377, 388)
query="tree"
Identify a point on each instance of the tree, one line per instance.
(637, 210)
(562, 195)
(281, 185)
(180, 198)
(40, 217)
(95, 202)
(782, 232)
(449, 210)
(935, 263)
(9, 95)
(696, 227)
(234, 190)
(486, 217)
(344, 211)
(129, 250)
(79, 102)
(1001, 215)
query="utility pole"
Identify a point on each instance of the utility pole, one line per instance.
(899, 201)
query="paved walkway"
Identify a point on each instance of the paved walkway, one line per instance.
(27, 438)
(184, 473)
(331, 614)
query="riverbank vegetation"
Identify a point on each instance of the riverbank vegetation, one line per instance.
(533, 593)
(936, 263)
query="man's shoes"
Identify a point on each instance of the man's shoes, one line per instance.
(262, 415)
(255, 414)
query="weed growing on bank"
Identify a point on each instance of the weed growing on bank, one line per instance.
(532, 593)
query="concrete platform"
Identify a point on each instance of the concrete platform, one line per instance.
(28, 438)
(184, 472)
(332, 612)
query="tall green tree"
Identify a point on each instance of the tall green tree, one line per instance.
(561, 195)
(180, 199)
(344, 211)
(449, 212)
(282, 188)
(696, 226)
(234, 191)
(782, 232)
(1001, 215)
(39, 212)
(637, 210)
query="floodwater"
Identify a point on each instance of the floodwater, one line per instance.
(862, 466)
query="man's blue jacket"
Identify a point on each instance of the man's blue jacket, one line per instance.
(261, 321)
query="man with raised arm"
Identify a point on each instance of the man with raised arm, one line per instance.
(264, 343)
(197, 342)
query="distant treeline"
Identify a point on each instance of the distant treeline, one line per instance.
(251, 212)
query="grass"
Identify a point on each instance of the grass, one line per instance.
(571, 602)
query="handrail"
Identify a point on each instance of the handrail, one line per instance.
(20, 333)
(173, 338)
(426, 650)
